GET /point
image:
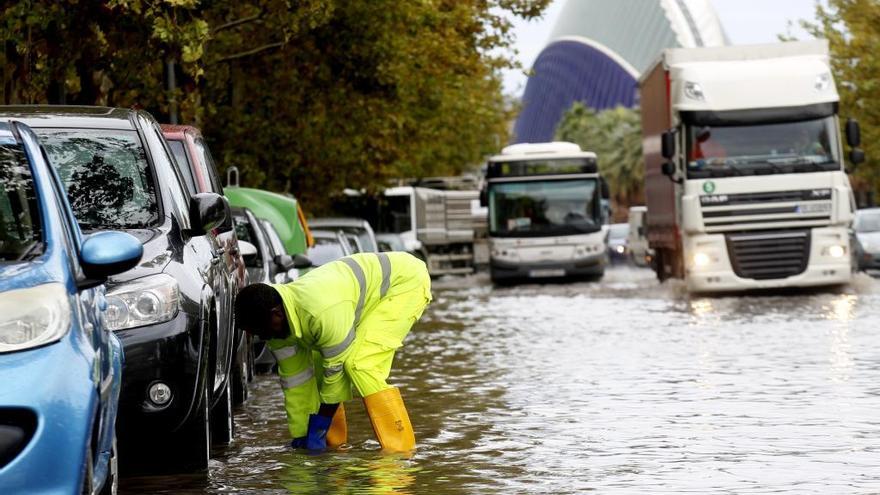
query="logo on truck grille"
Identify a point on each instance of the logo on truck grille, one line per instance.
(708, 187)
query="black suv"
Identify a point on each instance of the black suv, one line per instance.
(119, 174)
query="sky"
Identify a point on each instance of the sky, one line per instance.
(745, 21)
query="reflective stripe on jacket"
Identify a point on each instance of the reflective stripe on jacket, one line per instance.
(323, 309)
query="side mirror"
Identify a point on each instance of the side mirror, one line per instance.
(856, 156)
(108, 253)
(227, 224)
(668, 169)
(285, 261)
(302, 261)
(484, 197)
(853, 133)
(207, 211)
(667, 144)
(605, 190)
(248, 253)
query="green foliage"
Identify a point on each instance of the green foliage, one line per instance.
(852, 28)
(615, 135)
(304, 96)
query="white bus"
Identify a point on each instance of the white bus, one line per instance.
(545, 213)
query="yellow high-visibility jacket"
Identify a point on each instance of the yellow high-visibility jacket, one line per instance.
(324, 309)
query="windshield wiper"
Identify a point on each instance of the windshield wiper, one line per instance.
(30, 251)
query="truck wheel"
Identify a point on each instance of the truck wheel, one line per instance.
(222, 420)
(190, 447)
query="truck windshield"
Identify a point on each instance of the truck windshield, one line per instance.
(106, 175)
(543, 208)
(791, 147)
(20, 227)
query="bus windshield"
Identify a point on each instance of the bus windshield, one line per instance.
(791, 147)
(544, 208)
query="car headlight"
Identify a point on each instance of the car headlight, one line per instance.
(146, 301)
(33, 317)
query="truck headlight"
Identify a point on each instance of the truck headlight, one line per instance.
(33, 317)
(146, 301)
(835, 251)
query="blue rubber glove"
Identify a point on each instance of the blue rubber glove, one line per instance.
(316, 439)
(298, 443)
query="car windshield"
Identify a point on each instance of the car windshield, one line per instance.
(562, 207)
(106, 175)
(791, 147)
(867, 222)
(326, 249)
(20, 227)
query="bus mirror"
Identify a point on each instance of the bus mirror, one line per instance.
(605, 190)
(667, 141)
(856, 156)
(853, 133)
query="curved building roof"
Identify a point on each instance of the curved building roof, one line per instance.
(598, 50)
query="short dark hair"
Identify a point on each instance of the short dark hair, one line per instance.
(253, 307)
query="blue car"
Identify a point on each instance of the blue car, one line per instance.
(59, 366)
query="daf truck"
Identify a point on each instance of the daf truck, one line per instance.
(746, 183)
(545, 213)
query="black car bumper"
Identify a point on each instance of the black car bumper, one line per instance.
(593, 266)
(169, 353)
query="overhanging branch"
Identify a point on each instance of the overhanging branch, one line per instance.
(249, 53)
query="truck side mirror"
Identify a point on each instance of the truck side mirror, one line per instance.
(484, 197)
(667, 141)
(668, 169)
(853, 133)
(856, 156)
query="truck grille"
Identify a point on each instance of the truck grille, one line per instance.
(766, 210)
(769, 255)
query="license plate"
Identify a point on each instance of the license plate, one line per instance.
(547, 273)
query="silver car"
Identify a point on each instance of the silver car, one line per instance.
(866, 239)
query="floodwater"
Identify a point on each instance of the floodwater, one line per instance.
(618, 386)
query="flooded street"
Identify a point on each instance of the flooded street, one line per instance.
(618, 386)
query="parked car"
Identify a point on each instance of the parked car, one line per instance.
(639, 251)
(866, 239)
(119, 174)
(199, 171)
(617, 235)
(60, 367)
(264, 265)
(357, 229)
(330, 245)
(389, 241)
(283, 212)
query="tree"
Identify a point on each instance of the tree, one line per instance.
(304, 97)
(615, 135)
(852, 28)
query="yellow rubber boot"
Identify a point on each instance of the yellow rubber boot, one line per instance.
(337, 434)
(390, 420)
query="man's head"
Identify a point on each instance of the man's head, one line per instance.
(259, 310)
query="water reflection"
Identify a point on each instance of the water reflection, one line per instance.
(622, 386)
